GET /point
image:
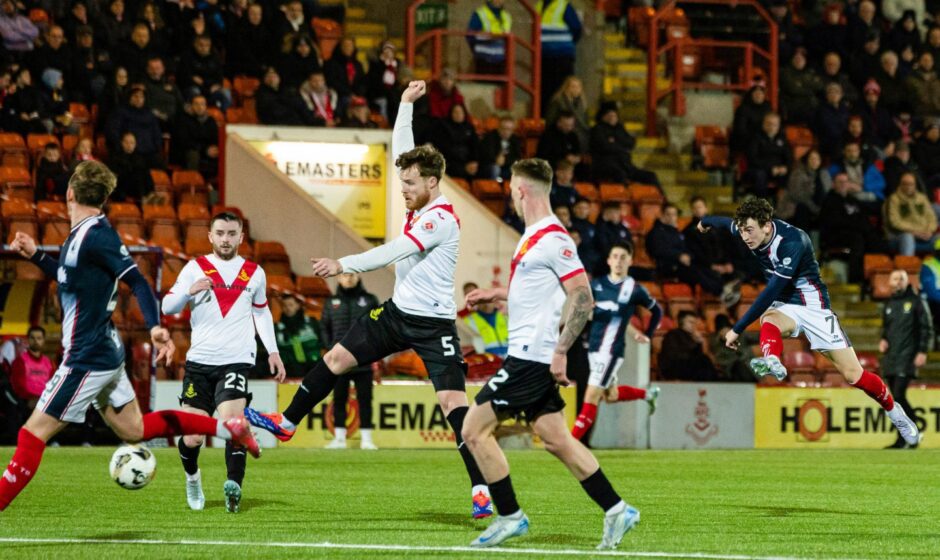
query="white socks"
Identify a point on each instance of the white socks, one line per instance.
(340, 434)
(194, 477)
(616, 509)
(287, 424)
(366, 435)
(480, 488)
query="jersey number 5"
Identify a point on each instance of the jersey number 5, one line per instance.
(447, 342)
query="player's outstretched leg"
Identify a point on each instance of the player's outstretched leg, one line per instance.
(456, 402)
(189, 447)
(619, 517)
(22, 467)
(169, 423)
(846, 361)
(771, 344)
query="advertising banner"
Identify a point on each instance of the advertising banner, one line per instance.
(348, 179)
(406, 415)
(808, 418)
(703, 416)
(16, 300)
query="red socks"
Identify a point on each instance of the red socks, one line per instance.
(585, 420)
(167, 423)
(628, 393)
(22, 467)
(875, 388)
(771, 341)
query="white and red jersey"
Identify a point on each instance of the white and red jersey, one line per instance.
(545, 257)
(223, 317)
(425, 258)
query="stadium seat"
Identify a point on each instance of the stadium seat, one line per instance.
(677, 290)
(490, 193)
(198, 231)
(800, 139)
(877, 262)
(55, 232)
(328, 34)
(880, 284)
(11, 142)
(911, 264)
(799, 361)
(407, 363)
(313, 286)
(123, 210)
(190, 213)
(462, 183)
(188, 180)
(161, 181)
(587, 190)
(26, 224)
(197, 246)
(280, 283)
(217, 116)
(36, 142)
(130, 229)
(17, 208)
(15, 176)
(51, 210)
(648, 213)
(614, 192)
(14, 159)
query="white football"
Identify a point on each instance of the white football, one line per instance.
(133, 466)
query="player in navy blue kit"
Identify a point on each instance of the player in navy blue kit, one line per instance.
(616, 297)
(92, 262)
(796, 301)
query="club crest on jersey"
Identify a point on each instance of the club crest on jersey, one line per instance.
(209, 271)
(190, 392)
(429, 226)
(566, 253)
(374, 314)
(243, 276)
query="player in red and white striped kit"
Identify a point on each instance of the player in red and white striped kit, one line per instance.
(228, 302)
(421, 313)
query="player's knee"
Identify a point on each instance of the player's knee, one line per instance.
(130, 434)
(193, 441)
(852, 373)
(555, 446)
(471, 436)
(338, 361)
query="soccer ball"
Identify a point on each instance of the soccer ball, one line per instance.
(133, 466)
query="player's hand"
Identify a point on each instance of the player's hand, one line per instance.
(277, 367)
(160, 337)
(204, 283)
(559, 369)
(883, 346)
(702, 227)
(414, 91)
(920, 359)
(641, 338)
(325, 268)
(24, 245)
(731, 340)
(478, 296)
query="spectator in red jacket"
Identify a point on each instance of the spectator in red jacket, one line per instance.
(32, 369)
(444, 94)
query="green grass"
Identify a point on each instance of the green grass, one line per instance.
(804, 504)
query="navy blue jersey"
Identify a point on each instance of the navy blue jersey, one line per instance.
(614, 305)
(91, 263)
(789, 254)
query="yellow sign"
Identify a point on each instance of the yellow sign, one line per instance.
(16, 300)
(836, 418)
(348, 179)
(406, 416)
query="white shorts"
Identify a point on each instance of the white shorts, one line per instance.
(604, 369)
(821, 326)
(70, 391)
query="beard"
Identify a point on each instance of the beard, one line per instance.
(225, 254)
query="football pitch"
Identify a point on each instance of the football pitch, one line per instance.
(389, 504)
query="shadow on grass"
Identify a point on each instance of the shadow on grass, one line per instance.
(247, 504)
(786, 511)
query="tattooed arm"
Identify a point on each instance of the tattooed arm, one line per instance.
(579, 305)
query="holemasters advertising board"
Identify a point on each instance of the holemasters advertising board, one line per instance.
(348, 179)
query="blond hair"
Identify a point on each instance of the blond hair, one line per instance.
(92, 183)
(536, 171)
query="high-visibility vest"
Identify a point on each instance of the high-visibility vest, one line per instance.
(554, 28)
(493, 49)
(495, 338)
(934, 265)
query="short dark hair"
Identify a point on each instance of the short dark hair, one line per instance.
(35, 328)
(564, 114)
(697, 198)
(227, 216)
(667, 205)
(625, 245)
(534, 169)
(685, 313)
(429, 160)
(51, 146)
(563, 164)
(757, 209)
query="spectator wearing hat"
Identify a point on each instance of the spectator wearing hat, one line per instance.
(345, 74)
(905, 34)
(136, 118)
(276, 106)
(382, 78)
(88, 67)
(923, 87)
(891, 81)
(832, 118)
(800, 88)
(297, 65)
(444, 94)
(358, 114)
(926, 152)
(501, 148)
(864, 62)
(112, 26)
(910, 220)
(612, 150)
(768, 158)
(77, 17)
(17, 31)
(58, 119)
(748, 117)
(876, 119)
(52, 175)
(930, 284)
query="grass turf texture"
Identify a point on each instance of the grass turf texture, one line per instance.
(798, 504)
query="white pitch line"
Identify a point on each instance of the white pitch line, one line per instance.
(404, 548)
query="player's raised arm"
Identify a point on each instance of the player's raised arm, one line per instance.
(403, 138)
(26, 247)
(395, 250)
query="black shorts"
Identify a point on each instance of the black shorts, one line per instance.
(386, 330)
(522, 388)
(205, 387)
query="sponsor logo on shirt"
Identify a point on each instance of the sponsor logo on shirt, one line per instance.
(429, 226)
(374, 314)
(566, 253)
